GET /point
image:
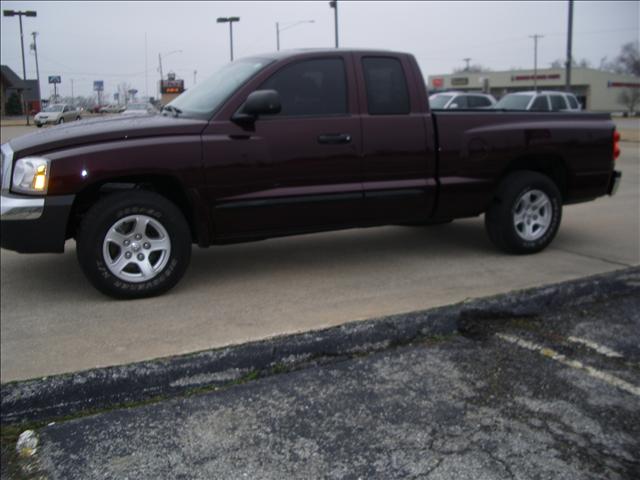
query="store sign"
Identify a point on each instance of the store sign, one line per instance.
(611, 84)
(437, 82)
(172, 86)
(459, 81)
(517, 78)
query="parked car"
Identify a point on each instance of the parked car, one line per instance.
(289, 143)
(139, 109)
(543, 101)
(55, 114)
(113, 108)
(460, 100)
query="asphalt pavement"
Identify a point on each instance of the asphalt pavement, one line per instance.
(551, 396)
(54, 322)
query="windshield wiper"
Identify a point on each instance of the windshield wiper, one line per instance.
(171, 108)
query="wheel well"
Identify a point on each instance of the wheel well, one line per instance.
(551, 166)
(168, 187)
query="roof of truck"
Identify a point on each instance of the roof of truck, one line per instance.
(313, 51)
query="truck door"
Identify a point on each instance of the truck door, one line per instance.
(398, 140)
(307, 156)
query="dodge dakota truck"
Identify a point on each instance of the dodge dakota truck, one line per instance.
(288, 143)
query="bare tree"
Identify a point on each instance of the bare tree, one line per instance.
(629, 97)
(628, 61)
(559, 63)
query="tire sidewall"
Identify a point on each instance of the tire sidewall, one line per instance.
(91, 240)
(524, 185)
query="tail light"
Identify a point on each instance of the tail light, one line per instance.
(616, 144)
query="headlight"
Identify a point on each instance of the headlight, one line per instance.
(31, 175)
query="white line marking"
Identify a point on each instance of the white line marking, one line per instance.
(558, 357)
(601, 349)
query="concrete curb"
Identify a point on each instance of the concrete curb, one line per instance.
(72, 394)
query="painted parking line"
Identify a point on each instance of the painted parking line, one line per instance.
(601, 349)
(595, 373)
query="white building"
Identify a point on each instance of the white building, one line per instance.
(597, 90)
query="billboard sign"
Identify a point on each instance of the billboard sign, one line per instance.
(98, 85)
(55, 79)
(172, 86)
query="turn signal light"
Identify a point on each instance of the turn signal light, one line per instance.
(616, 144)
(40, 179)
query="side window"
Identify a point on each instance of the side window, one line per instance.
(461, 101)
(311, 87)
(386, 86)
(65, 109)
(557, 103)
(573, 102)
(540, 104)
(475, 101)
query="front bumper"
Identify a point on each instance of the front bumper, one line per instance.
(614, 183)
(34, 225)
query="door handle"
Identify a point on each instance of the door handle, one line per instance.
(334, 138)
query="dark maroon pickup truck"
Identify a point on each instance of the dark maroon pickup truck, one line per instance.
(287, 143)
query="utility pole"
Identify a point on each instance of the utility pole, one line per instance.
(195, 72)
(146, 68)
(567, 86)
(230, 21)
(34, 47)
(535, 60)
(28, 13)
(72, 96)
(278, 36)
(334, 4)
(467, 60)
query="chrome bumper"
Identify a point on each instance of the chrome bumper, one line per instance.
(20, 208)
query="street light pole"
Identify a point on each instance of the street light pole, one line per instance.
(295, 24)
(334, 4)
(567, 86)
(35, 50)
(27, 13)
(230, 21)
(535, 60)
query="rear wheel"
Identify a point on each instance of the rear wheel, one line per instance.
(134, 244)
(61, 120)
(525, 214)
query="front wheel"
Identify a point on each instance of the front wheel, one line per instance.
(134, 244)
(61, 120)
(525, 214)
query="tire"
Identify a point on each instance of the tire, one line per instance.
(61, 120)
(525, 214)
(78, 118)
(133, 244)
(39, 125)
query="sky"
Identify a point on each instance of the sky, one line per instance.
(87, 41)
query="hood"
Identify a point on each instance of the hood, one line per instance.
(102, 130)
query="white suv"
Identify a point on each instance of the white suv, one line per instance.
(543, 101)
(461, 100)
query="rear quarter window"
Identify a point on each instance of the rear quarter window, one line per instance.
(573, 102)
(386, 86)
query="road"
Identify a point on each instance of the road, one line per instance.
(54, 322)
(556, 396)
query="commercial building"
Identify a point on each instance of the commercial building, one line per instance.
(597, 90)
(11, 83)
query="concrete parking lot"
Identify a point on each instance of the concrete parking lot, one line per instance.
(53, 321)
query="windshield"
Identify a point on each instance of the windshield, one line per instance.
(137, 106)
(204, 98)
(54, 108)
(439, 101)
(517, 101)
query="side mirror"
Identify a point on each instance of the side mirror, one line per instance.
(260, 102)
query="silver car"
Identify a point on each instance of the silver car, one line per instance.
(56, 113)
(542, 101)
(461, 100)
